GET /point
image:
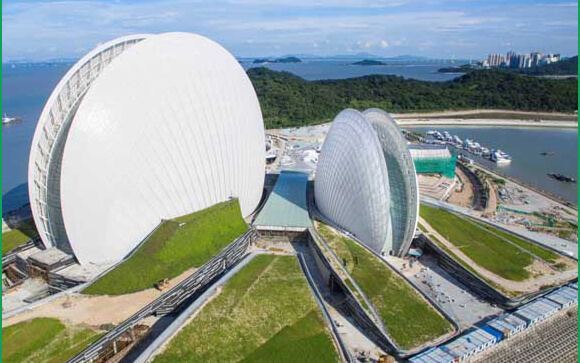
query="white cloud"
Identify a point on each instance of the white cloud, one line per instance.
(253, 27)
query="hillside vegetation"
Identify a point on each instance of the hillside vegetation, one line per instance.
(288, 100)
(265, 313)
(17, 237)
(44, 340)
(177, 245)
(408, 318)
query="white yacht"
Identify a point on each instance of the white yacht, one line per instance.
(8, 120)
(500, 157)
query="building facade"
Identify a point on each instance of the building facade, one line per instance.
(495, 60)
(403, 181)
(142, 129)
(366, 183)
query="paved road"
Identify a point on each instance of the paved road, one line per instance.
(466, 308)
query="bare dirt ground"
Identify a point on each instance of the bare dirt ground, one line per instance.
(542, 274)
(434, 186)
(462, 194)
(95, 310)
(492, 200)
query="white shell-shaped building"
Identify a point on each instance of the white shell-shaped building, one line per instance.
(366, 182)
(143, 128)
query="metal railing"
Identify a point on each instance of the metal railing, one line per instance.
(173, 298)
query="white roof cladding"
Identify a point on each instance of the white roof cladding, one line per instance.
(44, 165)
(403, 183)
(351, 187)
(172, 126)
(366, 181)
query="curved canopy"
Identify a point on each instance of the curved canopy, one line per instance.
(172, 126)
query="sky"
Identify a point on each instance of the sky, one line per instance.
(49, 29)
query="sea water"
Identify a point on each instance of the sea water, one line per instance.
(525, 146)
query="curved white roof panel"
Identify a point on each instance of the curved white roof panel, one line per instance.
(365, 181)
(171, 126)
(50, 136)
(351, 187)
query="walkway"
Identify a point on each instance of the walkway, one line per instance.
(286, 206)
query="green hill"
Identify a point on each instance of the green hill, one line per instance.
(288, 100)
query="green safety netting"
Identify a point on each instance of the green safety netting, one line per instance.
(445, 166)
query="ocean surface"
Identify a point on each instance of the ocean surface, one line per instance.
(324, 69)
(525, 146)
(24, 92)
(26, 89)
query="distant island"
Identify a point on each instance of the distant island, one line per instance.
(278, 60)
(369, 62)
(288, 100)
(462, 69)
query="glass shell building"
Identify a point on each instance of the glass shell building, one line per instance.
(141, 129)
(366, 182)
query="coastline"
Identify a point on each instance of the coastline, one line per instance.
(481, 111)
(564, 203)
(490, 117)
(484, 122)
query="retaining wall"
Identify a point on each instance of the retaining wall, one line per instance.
(473, 282)
(352, 306)
(186, 291)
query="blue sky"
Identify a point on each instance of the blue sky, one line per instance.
(46, 29)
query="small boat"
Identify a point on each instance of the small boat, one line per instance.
(9, 120)
(547, 153)
(562, 177)
(500, 157)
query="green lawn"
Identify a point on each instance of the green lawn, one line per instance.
(177, 245)
(44, 340)
(484, 248)
(542, 252)
(471, 269)
(408, 318)
(265, 313)
(16, 237)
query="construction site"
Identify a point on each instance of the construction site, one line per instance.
(286, 279)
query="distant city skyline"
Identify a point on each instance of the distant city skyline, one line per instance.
(39, 30)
